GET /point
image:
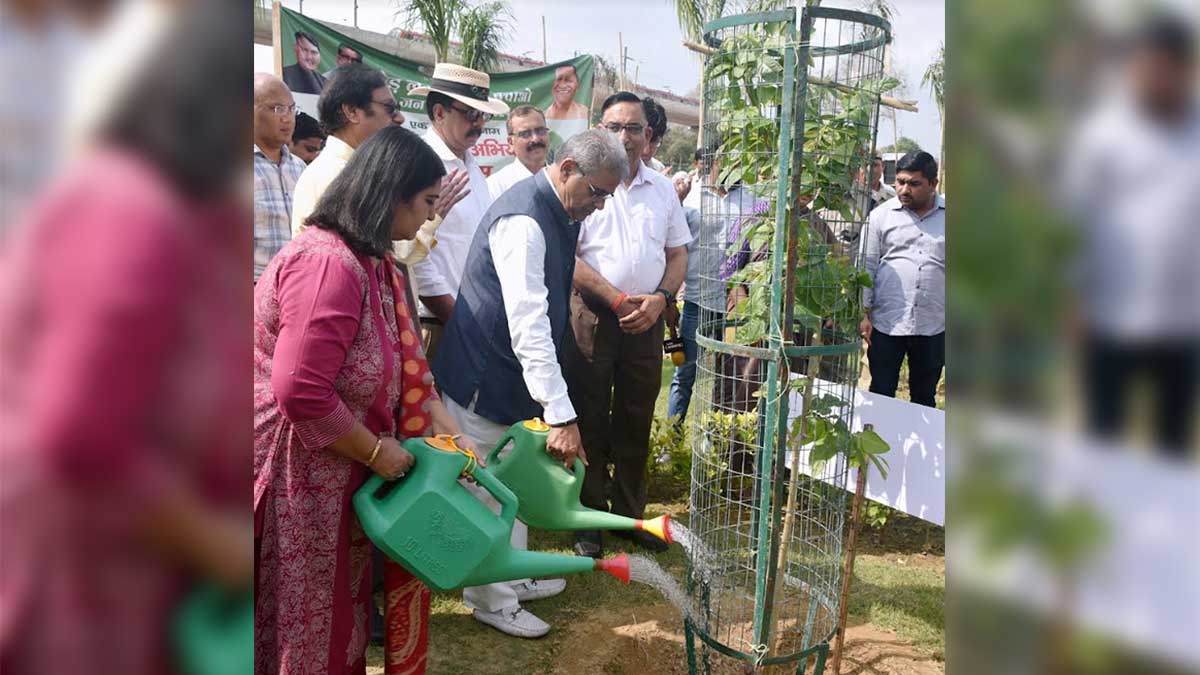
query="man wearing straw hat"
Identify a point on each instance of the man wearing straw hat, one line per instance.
(458, 104)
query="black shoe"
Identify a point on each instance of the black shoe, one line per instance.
(642, 538)
(589, 543)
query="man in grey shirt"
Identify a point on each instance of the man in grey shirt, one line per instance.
(905, 311)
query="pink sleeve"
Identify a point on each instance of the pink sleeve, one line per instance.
(320, 306)
(114, 282)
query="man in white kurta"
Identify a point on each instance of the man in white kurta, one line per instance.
(529, 138)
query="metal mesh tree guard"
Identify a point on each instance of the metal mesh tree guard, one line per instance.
(789, 121)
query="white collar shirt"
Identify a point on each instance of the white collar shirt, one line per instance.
(441, 272)
(906, 257)
(499, 182)
(1139, 232)
(312, 183)
(626, 241)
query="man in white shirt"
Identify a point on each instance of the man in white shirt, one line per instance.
(632, 258)
(355, 103)
(458, 104)
(905, 306)
(1130, 182)
(499, 359)
(529, 137)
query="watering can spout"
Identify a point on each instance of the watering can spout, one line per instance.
(512, 563)
(659, 527)
(618, 566)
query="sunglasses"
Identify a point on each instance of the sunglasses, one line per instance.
(390, 107)
(472, 115)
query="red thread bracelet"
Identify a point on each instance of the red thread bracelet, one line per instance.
(617, 303)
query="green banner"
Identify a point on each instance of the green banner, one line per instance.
(537, 87)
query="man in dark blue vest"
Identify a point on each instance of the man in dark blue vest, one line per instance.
(499, 360)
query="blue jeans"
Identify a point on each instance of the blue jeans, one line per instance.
(680, 396)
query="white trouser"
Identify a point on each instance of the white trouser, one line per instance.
(486, 433)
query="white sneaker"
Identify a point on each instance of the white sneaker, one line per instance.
(514, 621)
(537, 589)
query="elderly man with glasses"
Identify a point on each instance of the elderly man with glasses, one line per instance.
(458, 104)
(529, 139)
(500, 360)
(276, 170)
(632, 258)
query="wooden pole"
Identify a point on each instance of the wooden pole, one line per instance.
(545, 59)
(276, 38)
(860, 490)
(356, 13)
(891, 102)
(621, 64)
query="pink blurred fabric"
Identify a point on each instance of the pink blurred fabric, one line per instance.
(124, 351)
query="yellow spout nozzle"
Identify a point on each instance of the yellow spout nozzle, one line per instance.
(678, 358)
(659, 527)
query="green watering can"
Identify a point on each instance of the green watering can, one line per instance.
(214, 632)
(548, 494)
(431, 524)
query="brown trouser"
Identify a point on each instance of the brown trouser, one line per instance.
(431, 335)
(614, 380)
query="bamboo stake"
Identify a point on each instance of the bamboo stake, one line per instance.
(276, 40)
(860, 489)
(789, 517)
(889, 101)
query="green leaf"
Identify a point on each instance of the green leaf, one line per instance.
(869, 442)
(880, 464)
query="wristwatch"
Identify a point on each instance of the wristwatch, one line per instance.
(666, 294)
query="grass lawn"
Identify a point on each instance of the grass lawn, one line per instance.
(602, 626)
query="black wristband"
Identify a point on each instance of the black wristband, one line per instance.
(670, 297)
(568, 423)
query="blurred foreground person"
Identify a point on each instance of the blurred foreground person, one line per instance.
(123, 381)
(339, 379)
(1131, 181)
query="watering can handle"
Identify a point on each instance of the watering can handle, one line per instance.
(494, 456)
(508, 500)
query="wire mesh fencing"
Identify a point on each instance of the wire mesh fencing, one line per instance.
(790, 113)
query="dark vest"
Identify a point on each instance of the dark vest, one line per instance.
(475, 354)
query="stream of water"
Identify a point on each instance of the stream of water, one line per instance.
(698, 553)
(646, 571)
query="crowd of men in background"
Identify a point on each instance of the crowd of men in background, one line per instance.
(590, 358)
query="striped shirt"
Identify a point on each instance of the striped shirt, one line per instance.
(274, 187)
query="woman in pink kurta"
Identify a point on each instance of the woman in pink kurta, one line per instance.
(338, 377)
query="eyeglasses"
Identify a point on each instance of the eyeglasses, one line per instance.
(472, 115)
(282, 110)
(633, 129)
(355, 59)
(530, 133)
(596, 193)
(389, 107)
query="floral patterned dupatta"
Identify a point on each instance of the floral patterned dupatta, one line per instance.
(406, 598)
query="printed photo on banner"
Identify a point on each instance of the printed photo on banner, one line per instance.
(311, 50)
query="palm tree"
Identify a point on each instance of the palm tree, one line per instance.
(935, 79)
(440, 18)
(481, 30)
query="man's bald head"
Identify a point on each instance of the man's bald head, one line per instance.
(274, 113)
(266, 84)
